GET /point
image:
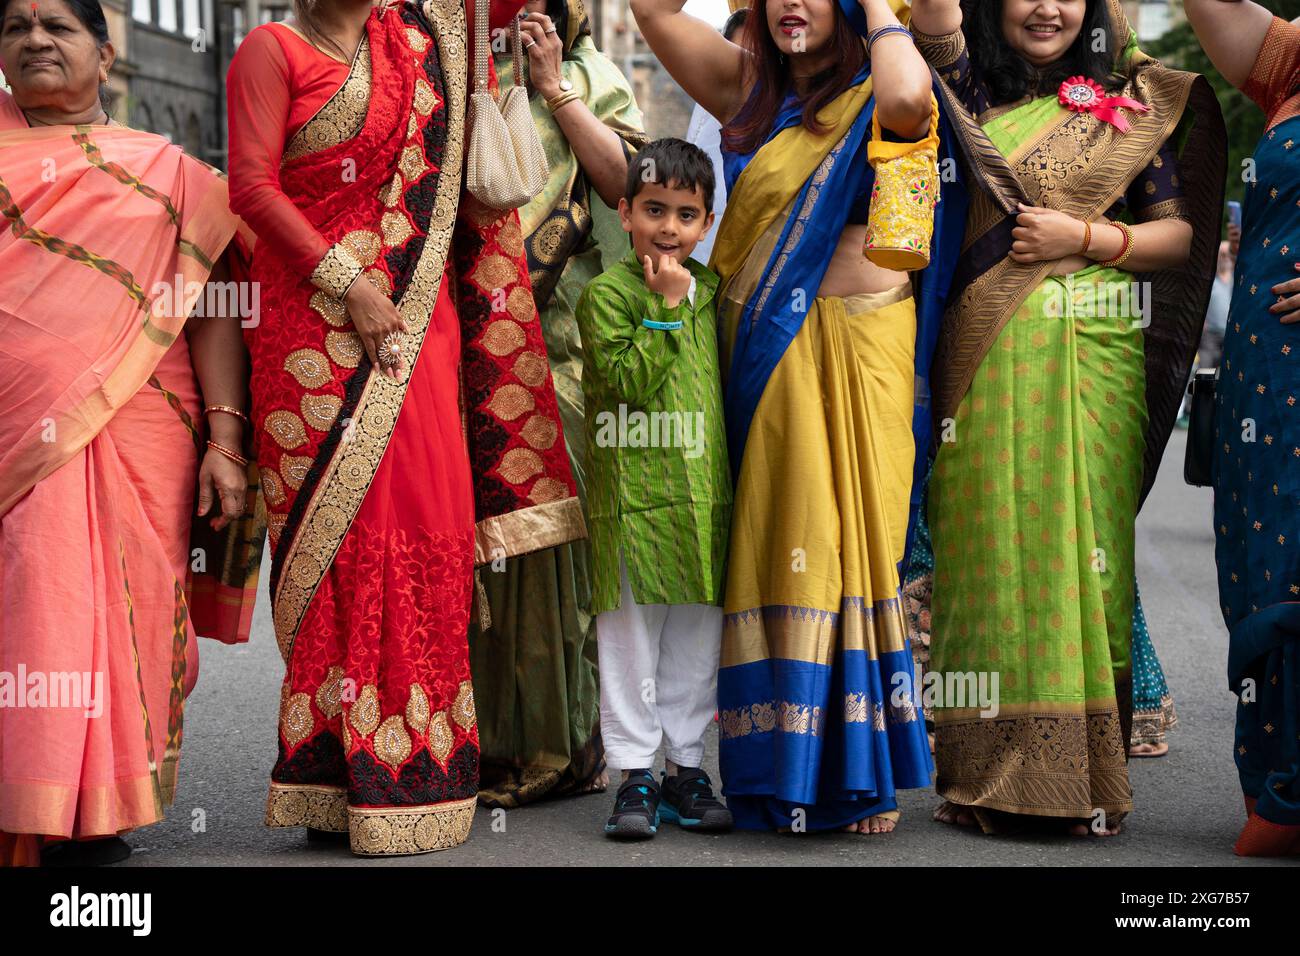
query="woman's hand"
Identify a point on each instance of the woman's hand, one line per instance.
(375, 317)
(1287, 306)
(224, 481)
(1042, 235)
(545, 51)
(1234, 241)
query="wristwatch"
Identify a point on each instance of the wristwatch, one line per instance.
(565, 85)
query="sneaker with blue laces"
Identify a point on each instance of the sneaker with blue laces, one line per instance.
(636, 808)
(687, 800)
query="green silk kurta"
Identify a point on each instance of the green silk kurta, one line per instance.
(658, 484)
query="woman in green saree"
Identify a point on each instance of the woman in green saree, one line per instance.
(533, 650)
(1087, 264)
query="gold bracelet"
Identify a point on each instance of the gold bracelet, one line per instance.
(1125, 251)
(555, 102)
(234, 456)
(228, 410)
(1087, 237)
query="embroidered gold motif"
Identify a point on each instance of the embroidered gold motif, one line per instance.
(509, 402)
(425, 99)
(321, 410)
(342, 116)
(336, 271)
(396, 227)
(547, 490)
(519, 464)
(286, 428)
(345, 348)
(296, 721)
(531, 369)
(494, 272)
(394, 831)
(331, 309)
(363, 244)
(441, 737)
(392, 742)
(503, 337)
(329, 696)
(309, 367)
(307, 805)
(462, 710)
(379, 279)
(416, 40)
(856, 707)
(295, 468)
(412, 163)
(520, 305)
(272, 489)
(417, 709)
(540, 432)
(390, 195)
(364, 715)
(511, 238)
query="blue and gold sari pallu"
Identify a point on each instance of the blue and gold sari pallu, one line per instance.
(828, 426)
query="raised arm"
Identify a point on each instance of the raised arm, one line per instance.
(937, 18)
(1231, 32)
(708, 66)
(899, 75)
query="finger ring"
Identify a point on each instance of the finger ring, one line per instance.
(530, 43)
(552, 30)
(390, 350)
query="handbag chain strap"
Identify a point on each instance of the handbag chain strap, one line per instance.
(483, 47)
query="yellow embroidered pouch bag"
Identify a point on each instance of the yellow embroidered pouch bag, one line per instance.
(901, 221)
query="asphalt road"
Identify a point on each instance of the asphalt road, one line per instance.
(1188, 803)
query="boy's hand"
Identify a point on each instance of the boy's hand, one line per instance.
(672, 280)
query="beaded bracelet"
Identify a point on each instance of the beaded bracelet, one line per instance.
(234, 456)
(1125, 251)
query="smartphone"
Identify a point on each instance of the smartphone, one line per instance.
(1234, 213)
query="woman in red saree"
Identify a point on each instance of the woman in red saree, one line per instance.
(385, 481)
(109, 235)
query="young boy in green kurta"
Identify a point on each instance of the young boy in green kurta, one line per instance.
(658, 493)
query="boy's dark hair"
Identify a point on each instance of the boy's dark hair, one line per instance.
(674, 163)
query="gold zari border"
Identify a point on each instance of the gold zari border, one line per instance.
(1045, 764)
(373, 831)
(528, 529)
(810, 634)
(342, 115)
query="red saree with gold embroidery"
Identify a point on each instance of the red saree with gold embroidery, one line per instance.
(382, 495)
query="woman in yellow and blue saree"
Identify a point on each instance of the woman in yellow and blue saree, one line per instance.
(826, 358)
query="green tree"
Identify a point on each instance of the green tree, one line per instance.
(1180, 49)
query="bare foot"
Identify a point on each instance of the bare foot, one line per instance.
(1149, 750)
(880, 824)
(597, 784)
(954, 814)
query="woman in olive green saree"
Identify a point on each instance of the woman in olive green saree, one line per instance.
(1060, 365)
(533, 651)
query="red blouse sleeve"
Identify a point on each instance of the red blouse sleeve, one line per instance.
(258, 94)
(1277, 70)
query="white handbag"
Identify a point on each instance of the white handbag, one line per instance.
(505, 165)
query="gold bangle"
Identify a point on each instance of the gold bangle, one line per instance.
(234, 456)
(1087, 237)
(228, 410)
(555, 102)
(1125, 251)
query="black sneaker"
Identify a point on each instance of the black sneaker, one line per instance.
(636, 808)
(688, 800)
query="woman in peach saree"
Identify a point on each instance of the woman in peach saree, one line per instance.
(110, 235)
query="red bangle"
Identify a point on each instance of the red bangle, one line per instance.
(234, 456)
